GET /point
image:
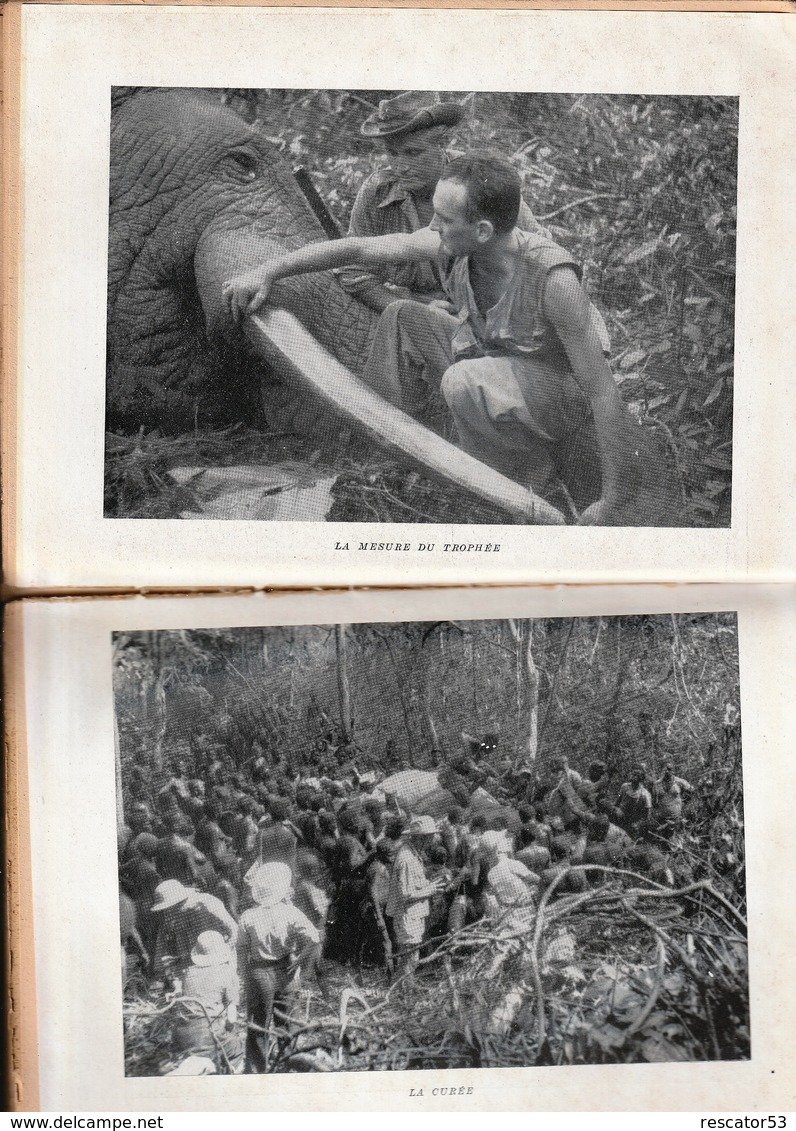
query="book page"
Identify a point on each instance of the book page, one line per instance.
(127, 701)
(305, 475)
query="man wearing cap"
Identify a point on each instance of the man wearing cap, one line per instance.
(520, 365)
(206, 1021)
(398, 199)
(276, 941)
(186, 913)
(408, 903)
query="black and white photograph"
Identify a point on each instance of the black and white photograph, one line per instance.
(409, 306)
(431, 844)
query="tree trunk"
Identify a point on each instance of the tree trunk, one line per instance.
(429, 680)
(117, 750)
(159, 696)
(431, 726)
(413, 740)
(554, 684)
(343, 689)
(527, 694)
(625, 652)
(532, 683)
(153, 694)
(119, 792)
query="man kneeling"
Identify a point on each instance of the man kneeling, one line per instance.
(515, 349)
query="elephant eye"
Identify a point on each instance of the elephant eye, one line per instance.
(243, 165)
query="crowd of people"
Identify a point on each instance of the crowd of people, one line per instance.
(237, 883)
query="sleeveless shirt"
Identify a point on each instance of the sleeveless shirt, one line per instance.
(516, 325)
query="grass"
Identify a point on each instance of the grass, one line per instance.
(369, 486)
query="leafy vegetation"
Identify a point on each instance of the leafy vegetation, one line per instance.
(633, 688)
(618, 964)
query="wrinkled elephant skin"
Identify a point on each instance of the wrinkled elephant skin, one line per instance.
(188, 174)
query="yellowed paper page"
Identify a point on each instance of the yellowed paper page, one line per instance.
(73, 56)
(71, 650)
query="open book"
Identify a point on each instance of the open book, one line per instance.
(518, 799)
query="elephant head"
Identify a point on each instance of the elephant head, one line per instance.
(196, 194)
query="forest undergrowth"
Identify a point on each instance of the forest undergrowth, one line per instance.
(627, 971)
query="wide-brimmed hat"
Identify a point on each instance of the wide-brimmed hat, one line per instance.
(422, 826)
(270, 883)
(409, 112)
(210, 950)
(496, 842)
(169, 894)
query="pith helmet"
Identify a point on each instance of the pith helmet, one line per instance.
(169, 894)
(210, 950)
(270, 883)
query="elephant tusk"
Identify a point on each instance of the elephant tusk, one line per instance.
(392, 428)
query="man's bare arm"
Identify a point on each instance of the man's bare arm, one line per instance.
(567, 308)
(247, 292)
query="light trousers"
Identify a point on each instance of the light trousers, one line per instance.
(522, 417)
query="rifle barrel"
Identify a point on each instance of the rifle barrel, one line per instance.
(317, 203)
